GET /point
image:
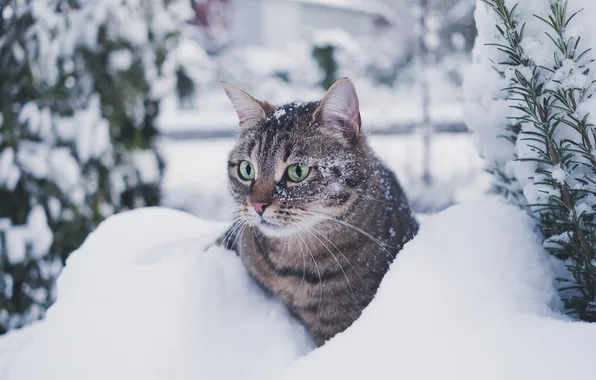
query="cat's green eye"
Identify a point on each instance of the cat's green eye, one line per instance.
(246, 171)
(298, 172)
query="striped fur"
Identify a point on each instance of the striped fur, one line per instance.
(324, 244)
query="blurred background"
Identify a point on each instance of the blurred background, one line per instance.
(110, 105)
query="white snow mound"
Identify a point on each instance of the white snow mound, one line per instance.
(465, 300)
(471, 297)
(141, 300)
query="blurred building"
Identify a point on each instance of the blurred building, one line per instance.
(272, 23)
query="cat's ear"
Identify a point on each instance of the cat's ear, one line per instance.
(340, 110)
(250, 110)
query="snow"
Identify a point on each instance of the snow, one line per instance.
(279, 113)
(147, 166)
(468, 298)
(135, 31)
(568, 77)
(187, 56)
(15, 240)
(65, 171)
(30, 114)
(378, 63)
(558, 174)
(531, 178)
(195, 178)
(120, 60)
(489, 108)
(9, 172)
(338, 38)
(40, 235)
(168, 310)
(368, 6)
(32, 157)
(64, 145)
(54, 207)
(471, 296)
(31, 240)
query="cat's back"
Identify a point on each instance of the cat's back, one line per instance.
(399, 222)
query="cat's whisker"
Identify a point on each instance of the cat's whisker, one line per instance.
(258, 240)
(243, 228)
(230, 209)
(303, 258)
(336, 248)
(379, 200)
(240, 233)
(231, 231)
(240, 221)
(254, 248)
(357, 229)
(308, 229)
(318, 271)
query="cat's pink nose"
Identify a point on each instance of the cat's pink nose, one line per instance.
(260, 207)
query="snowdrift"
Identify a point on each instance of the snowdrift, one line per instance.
(142, 300)
(471, 297)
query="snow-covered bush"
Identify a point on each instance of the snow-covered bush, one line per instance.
(81, 85)
(338, 54)
(283, 75)
(377, 56)
(530, 102)
(389, 53)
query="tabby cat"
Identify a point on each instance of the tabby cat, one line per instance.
(320, 218)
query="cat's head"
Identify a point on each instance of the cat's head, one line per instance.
(299, 164)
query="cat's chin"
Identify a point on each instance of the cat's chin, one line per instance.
(272, 230)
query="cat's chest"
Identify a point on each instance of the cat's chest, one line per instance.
(285, 272)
